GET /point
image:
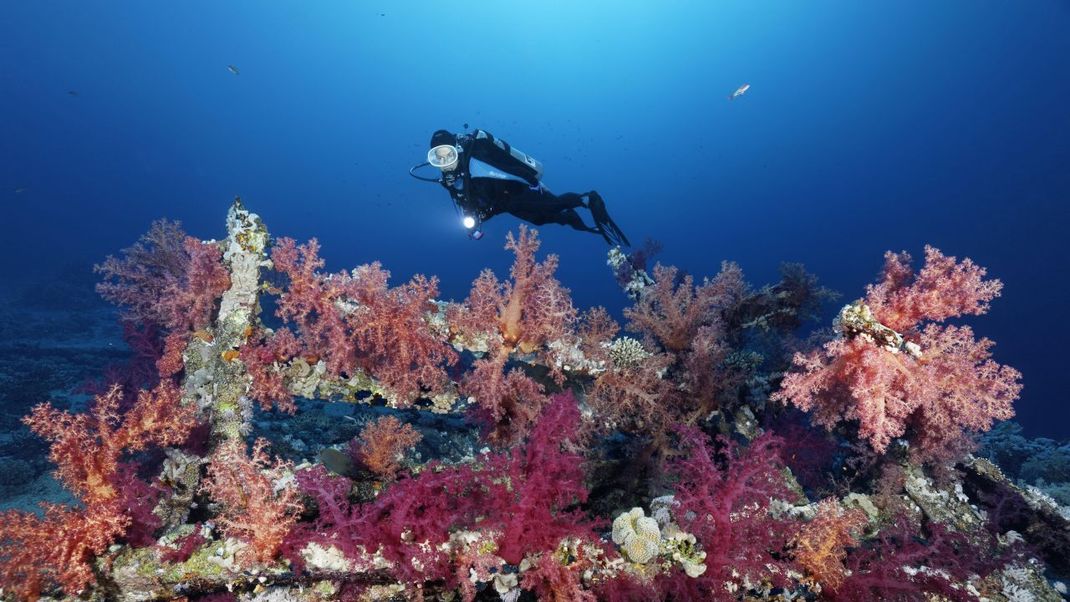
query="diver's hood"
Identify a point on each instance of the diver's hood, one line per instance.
(443, 156)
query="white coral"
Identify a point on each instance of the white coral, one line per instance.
(637, 535)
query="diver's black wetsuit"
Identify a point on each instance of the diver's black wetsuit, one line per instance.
(491, 178)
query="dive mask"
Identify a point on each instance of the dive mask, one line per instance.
(443, 156)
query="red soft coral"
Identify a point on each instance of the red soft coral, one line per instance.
(254, 506)
(527, 312)
(943, 389)
(57, 550)
(524, 314)
(264, 356)
(551, 580)
(508, 402)
(166, 278)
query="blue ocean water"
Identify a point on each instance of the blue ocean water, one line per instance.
(868, 127)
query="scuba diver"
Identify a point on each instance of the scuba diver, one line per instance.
(486, 176)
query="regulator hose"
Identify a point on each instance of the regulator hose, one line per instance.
(423, 178)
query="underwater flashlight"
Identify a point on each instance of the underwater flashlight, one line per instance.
(469, 222)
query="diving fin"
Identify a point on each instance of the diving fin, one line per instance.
(605, 224)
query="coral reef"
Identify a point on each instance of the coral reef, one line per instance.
(690, 455)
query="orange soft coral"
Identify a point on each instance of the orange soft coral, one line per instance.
(87, 447)
(672, 313)
(821, 545)
(254, 507)
(59, 549)
(382, 445)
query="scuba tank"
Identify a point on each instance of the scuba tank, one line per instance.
(531, 164)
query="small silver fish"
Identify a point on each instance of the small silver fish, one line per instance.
(233, 69)
(740, 91)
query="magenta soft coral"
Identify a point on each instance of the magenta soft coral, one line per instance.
(901, 565)
(722, 498)
(940, 383)
(524, 497)
(166, 278)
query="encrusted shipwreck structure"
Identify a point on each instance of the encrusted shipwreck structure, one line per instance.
(693, 458)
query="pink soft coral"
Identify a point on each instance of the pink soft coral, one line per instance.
(940, 383)
(524, 314)
(166, 278)
(355, 321)
(255, 507)
(944, 288)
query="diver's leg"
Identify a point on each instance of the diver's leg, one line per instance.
(569, 217)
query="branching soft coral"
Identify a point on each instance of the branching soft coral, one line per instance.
(678, 375)
(522, 498)
(671, 314)
(944, 288)
(265, 356)
(528, 311)
(382, 444)
(898, 565)
(722, 498)
(936, 382)
(166, 278)
(87, 447)
(508, 402)
(59, 549)
(255, 507)
(524, 314)
(821, 544)
(355, 321)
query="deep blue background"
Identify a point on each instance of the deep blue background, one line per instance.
(869, 126)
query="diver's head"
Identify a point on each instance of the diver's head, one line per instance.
(444, 152)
